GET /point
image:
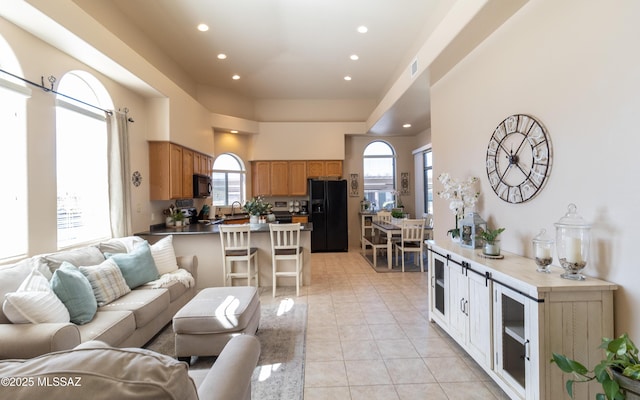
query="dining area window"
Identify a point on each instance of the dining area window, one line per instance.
(379, 170)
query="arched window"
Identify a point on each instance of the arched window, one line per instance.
(379, 174)
(228, 180)
(81, 162)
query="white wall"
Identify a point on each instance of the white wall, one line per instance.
(573, 65)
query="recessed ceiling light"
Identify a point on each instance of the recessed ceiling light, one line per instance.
(221, 56)
(354, 57)
(347, 78)
(235, 77)
(363, 29)
(203, 27)
(406, 126)
(233, 131)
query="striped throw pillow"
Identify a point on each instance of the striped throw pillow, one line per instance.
(107, 281)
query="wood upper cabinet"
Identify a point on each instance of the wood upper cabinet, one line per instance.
(279, 178)
(289, 178)
(297, 178)
(202, 164)
(261, 178)
(187, 173)
(171, 169)
(315, 169)
(333, 168)
(165, 171)
(324, 168)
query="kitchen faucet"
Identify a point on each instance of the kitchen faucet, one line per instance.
(232, 207)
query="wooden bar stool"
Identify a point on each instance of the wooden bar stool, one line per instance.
(285, 245)
(236, 247)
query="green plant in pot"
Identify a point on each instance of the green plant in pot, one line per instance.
(618, 372)
(491, 245)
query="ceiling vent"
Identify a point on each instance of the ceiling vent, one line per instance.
(414, 67)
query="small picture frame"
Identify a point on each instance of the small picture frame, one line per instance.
(404, 183)
(354, 185)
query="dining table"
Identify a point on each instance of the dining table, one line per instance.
(390, 230)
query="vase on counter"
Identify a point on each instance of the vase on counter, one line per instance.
(254, 219)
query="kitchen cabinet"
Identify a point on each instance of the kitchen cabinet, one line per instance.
(202, 164)
(324, 169)
(261, 178)
(187, 173)
(171, 169)
(303, 219)
(469, 296)
(510, 318)
(279, 171)
(165, 171)
(298, 178)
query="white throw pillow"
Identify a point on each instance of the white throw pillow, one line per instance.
(34, 302)
(107, 281)
(164, 255)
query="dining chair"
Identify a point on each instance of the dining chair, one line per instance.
(428, 225)
(285, 246)
(236, 247)
(411, 240)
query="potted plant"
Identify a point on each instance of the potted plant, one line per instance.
(256, 207)
(491, 245)
(618, 372)
(178, 218)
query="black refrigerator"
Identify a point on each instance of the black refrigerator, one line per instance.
(328, 202)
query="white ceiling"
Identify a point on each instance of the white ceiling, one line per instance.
(282, 49)
(296, 49)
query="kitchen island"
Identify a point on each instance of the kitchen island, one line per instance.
(203, 240)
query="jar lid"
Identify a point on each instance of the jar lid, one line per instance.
(572, 219)
(542, 237)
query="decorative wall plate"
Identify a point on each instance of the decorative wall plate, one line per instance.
(136, 179)
(518, 158)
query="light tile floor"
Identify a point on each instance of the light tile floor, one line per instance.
(368, 337)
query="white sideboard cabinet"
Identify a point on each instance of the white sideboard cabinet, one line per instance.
(510, 318)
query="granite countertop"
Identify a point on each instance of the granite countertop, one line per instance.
(204, 229)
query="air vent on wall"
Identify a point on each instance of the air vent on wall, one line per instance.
(414, 67)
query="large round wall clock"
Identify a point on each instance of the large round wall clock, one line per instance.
(518, 158)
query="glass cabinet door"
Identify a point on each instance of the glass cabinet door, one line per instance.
(439, 288)
(511, 343)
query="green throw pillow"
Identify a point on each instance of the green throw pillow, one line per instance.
(138, 267)
(74, 290)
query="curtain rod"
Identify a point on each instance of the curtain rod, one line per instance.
(46, 89)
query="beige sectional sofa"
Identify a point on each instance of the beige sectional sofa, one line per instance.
(96, 371)
(130, 320)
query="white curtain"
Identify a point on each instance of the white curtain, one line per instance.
(119, 188)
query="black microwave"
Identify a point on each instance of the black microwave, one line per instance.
(202, 186)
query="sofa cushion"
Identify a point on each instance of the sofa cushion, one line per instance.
(175, 288)
(164, 255)
(106, 281)
(34, 302)
(89, 255)
(12, 276)
(75, 291)
(137, 266)
(120, 245)
(145, 304)
(104, 374)
(112, 327)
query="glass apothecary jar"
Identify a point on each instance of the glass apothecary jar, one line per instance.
(573, 236)
(543, 251)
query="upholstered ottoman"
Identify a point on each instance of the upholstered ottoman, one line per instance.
(206, 323)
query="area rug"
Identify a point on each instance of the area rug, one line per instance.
(280, 371)
(410, 264)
